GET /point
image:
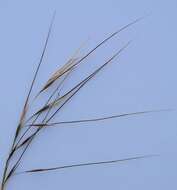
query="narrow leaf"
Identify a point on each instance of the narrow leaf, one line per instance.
(98, 119)
(85, 164)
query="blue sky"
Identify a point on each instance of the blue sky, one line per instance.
(142, 78)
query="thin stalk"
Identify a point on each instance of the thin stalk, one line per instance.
(25, 106)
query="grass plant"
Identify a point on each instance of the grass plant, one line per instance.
(30, 126)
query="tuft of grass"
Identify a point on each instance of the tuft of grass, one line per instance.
(29, 126)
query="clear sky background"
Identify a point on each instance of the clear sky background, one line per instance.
(142, 78)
